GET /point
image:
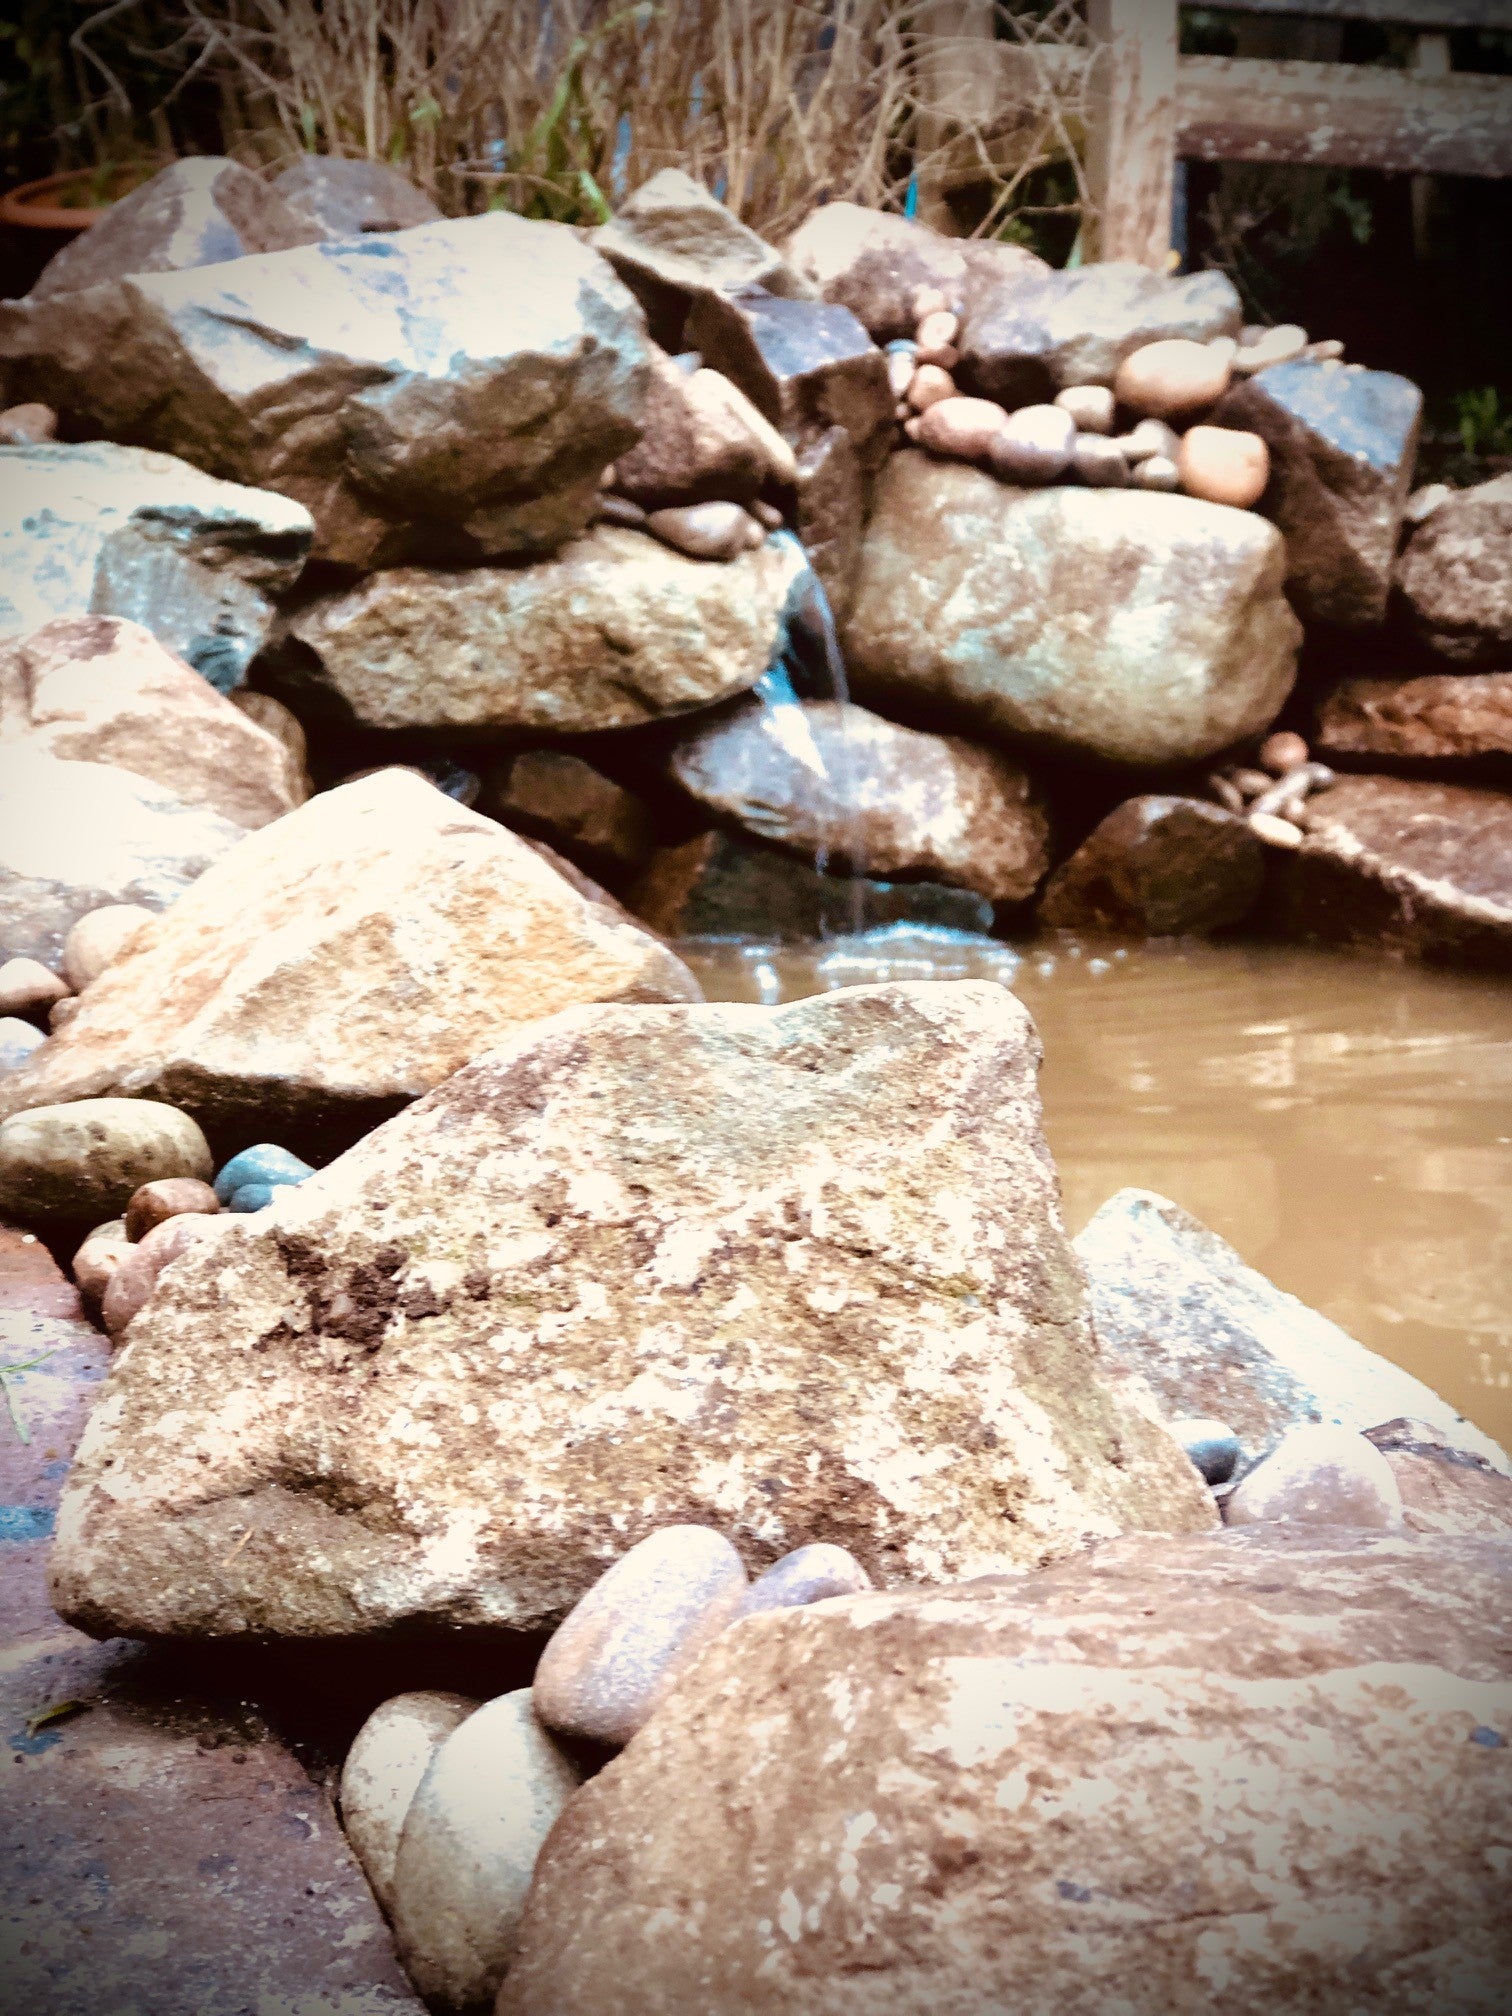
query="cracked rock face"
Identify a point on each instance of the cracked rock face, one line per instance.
(1250, 1773)
(796, 1274)
(404, 386)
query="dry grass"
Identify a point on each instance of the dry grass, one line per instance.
(560, 107)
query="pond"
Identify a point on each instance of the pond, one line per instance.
(1343, 1121)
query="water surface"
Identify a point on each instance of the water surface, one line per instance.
(1345, 1122)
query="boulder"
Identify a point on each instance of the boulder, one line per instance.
(1343, 446)
(347, 959)
(1176, 1308)
(388, 1758)
(405, 387)
(720, 885)
(337, 198)
(101, 689)
(76, 836)
(1135, 629)
(1455, 575)
(613, 631)
(703, 439)
(1038, 332)
(107, 531)
(1265, 1771)
(1434, 717)
(80, 1163)
(196, 212)
(673, 244)
(557, 797)
(1423, 870)
(1158, 867)
(842, 787)
(796, 1274)
(1443, 1489)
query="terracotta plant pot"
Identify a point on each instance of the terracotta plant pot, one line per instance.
(38, 206)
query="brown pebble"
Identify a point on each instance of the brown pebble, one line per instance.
(1250, 782)
(62, 1012)
(28, 426)
(1283, 751)
(136, 1276)
(168, 1197)
(98, 1258)
(945, 355)
(929, 385)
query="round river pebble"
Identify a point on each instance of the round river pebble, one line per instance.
(99, 938)
(1172, 376)
(1034, 446)
(82, 1162)
(170, 1197)
(388, 1758)
(1319, 1476)
(1224, 465)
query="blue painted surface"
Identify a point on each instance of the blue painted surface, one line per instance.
(264, 1163)
(1369, 415)
(25, 1522)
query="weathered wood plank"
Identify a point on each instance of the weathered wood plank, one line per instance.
(1344, 115)
(1398, 13)
(1131, 142)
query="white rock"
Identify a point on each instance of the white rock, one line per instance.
(1319, 1475)
(1091, 407)
(390, 1755)
(99, 938)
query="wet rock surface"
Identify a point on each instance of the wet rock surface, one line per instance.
(842, 786)
(1431, 717)
(402, 386)
(1133, 629)
(1455, 575)
(1158, 866)
(1343, 446)
(613, 631)
(347, 959)
(1418, 869)
(102, 530)
(1092, 1780)
(797, 1275)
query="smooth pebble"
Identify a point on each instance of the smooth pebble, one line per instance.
(266, 1163)
(1319, 1475)
(807, 1575)
(390, 1755)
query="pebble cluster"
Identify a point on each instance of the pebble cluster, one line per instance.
(1272, 793)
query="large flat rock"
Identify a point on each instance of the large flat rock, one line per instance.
(97, 529)
(345, 960)
(1134, 628)
(457, 388)
(796, 1274)
(1256, 1773)
(1424, 718)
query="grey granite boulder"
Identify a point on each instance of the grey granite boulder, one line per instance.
(337, 198)
(1455, 575)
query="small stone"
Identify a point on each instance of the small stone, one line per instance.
(1173, 376)
(131, 1283)
(29, 988)
(254, 1196)
(1157, 474)
(1276, 832)
(1212, 1445)
(1099, 462)
(1319, 1475)
(468, 1848)
(900, 371)
(944, 356)
(170, 1197)
(98, 1257)
(99, 938)
(1275, 346)
(768, 515)
(962, 428)
(1329, 351)
(1251, 783)
(265, 1163)
(1283, 751)
(614, 510)
(1224, 465)
(382, 1773)
(1424, 502)
(929, 301)
(1035, 446)
(930, 384)
(28, 425)
(901, 346)
(617, 1652)
(1091, 406)
(1150, 438)
(937, 330)
(18, 1039)
(62, 1012)
(807, 1575)
(80, 1162)
(717, 531)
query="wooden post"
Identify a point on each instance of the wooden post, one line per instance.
(1131, 141)
(1430, 58)
(958, 78)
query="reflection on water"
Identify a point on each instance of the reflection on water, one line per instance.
(1345, 1122)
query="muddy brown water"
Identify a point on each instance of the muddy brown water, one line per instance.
(1345, 1122)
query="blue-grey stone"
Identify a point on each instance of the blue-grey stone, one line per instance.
(254, 1196)
(1343, 444)
(18, 1039)
(1212, 1445)
(266, 1163)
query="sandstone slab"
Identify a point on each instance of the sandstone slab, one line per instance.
(102, 530)
(1159, 867)
(795, 1274)
(337, 198)
(613, 631)
(841, 786)
(196, 212)
(77, 836)
(1177, 1308)
(101, 689)
(1432, 717)
(405, 387)
(1455, 575)
(1423, 870)
(1343, 447)
(1135, 629)
(1255, 1773)
(348, 958)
